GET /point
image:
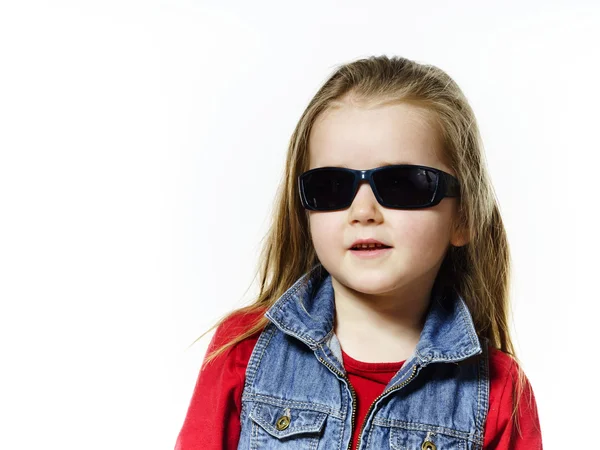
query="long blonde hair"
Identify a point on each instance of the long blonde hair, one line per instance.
(479, 270)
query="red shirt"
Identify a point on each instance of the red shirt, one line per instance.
(368, 380)
(212, 421)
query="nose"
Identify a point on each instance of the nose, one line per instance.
(365, 206)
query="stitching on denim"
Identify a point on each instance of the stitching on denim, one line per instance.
(368, 438)
(254, 436)
(243, 413)
(320, 419)
(392, 441)
(483, 391)
(341, 433)
(303, 281)
(326, 351)
(258, 425)
(289, 293)
(257, 354)
(394, 438)
(346, 399)
(450, 357)
(314, 443)
(299, 335)
(416, 426)
(289, 296)
(326, 337)
(477, 417)
(283, 403)
(464, 312)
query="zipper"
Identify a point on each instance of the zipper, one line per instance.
(398, 386)
(351, 391)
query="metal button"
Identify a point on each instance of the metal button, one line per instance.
(427, 444)
(283, 422)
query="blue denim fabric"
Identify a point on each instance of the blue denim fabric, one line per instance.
(297, 395)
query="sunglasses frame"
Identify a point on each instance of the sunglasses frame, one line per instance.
(447, 185)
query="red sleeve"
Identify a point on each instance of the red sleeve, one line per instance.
(501, 432)
(212, 421)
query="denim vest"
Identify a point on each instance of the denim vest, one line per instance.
(297, 394)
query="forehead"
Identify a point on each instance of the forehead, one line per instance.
(362, 137)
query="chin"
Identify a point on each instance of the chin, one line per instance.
(369, 281)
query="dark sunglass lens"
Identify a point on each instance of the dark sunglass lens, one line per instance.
(328, 189)
(406, 186)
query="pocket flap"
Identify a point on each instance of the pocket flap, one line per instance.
(408, 439)
(300, 420)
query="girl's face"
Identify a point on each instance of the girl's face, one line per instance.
(363, 138)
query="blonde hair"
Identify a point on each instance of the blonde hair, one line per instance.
(479, 270)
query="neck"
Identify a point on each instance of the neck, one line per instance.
(383, 327)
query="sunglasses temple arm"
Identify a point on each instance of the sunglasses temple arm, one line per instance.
(452, 186)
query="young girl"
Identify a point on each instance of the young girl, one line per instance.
(381, 321)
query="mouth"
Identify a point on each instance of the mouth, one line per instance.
(370, 251)
(368, 247)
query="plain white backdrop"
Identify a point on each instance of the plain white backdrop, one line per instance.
(141, 144)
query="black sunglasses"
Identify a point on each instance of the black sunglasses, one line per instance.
(402, 186)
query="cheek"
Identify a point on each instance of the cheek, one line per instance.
(325, 230)
(424, 232)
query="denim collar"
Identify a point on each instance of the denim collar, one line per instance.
(306, 311)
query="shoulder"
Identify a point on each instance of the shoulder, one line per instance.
(504, 369)
(216, 400)
(502, 365)
(511, 397)
(233, 325)
(509, 385)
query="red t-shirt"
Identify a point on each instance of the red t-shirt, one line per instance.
(212, 421)
(368, 380)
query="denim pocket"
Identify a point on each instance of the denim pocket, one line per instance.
(423, 439)
(280, 427)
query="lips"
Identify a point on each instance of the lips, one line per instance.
(369, 241)
(376, 247)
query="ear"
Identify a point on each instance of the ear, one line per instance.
(460, 236)
(459, 239)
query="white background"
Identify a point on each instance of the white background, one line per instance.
(141, 143)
